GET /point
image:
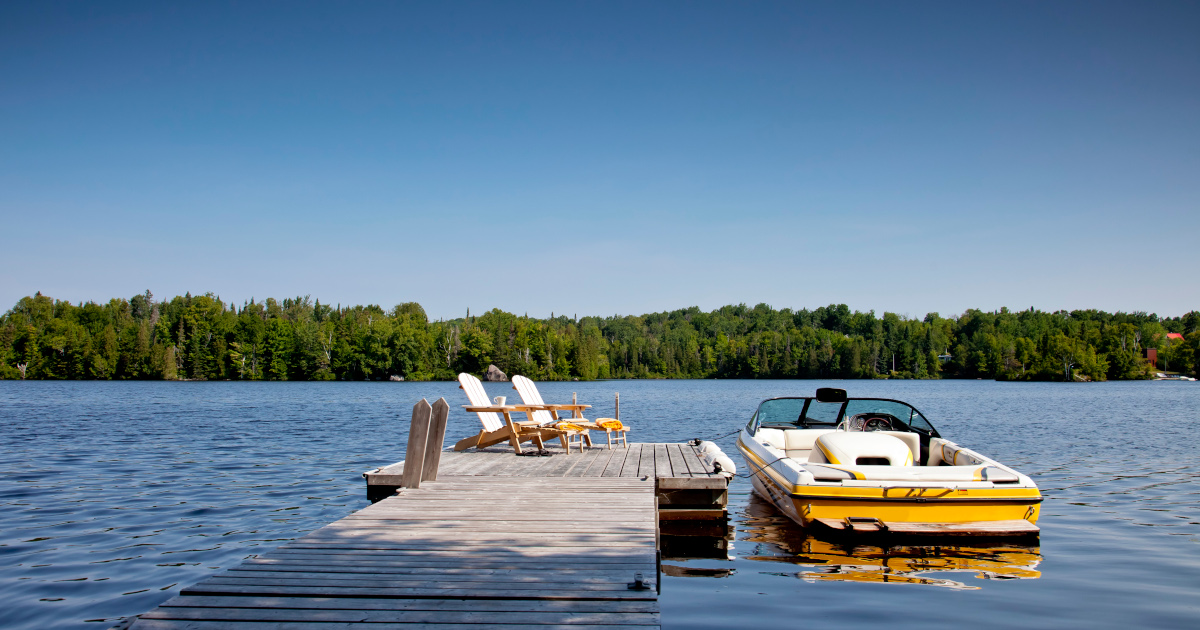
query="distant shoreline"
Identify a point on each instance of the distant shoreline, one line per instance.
(301, 339)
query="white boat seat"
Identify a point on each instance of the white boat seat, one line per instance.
(945, 453)
(861, 449)
(913, 441)
(795, 443)
(798, 443)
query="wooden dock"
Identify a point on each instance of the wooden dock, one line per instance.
(686, 487)
(639, 460)
(458, 552)
(497, 541)
(475, 539)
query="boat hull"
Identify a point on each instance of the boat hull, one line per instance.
(928, 509)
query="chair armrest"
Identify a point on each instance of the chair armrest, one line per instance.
(556, 407)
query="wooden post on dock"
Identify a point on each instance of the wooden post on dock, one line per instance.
(433, 445)
(418, 435)
(618, 413)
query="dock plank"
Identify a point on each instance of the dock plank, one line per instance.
(558, 466)
(596, 466)
(678, 465)
(616, 462)
(662, 464)
(487, 605)
(354, 570)
(535, 468)
(580, 465)
(398, 616)
(632, 461)
(419, 564)
(500, 464)
(694, 464)
(646, 465)
(481, 591)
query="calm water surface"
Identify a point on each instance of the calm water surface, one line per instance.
(113, 496)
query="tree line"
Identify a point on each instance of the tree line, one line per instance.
(203, 338)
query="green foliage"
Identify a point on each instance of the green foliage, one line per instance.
(201, 337)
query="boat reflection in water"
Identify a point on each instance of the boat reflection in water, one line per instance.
(769, 536)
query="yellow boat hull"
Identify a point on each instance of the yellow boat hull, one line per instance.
(913, 509)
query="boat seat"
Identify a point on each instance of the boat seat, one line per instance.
(913, 441)
(795, 443)
(859, 448)
(946, 453)
(798, 443)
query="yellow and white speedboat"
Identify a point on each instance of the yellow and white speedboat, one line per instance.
(874, 465)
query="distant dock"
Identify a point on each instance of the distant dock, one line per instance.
(493, 540)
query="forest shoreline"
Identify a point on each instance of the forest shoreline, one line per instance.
(203, 338)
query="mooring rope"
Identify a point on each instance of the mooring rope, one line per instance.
(764, 467)
(697, 441)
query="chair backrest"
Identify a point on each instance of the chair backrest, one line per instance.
(479, 398)
(530, 396)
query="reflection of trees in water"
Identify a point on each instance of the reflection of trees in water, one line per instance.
(777, 539)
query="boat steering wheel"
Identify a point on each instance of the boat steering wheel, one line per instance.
(877, 423)
(871, 422)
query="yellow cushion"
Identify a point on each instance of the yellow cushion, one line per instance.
(611, 424)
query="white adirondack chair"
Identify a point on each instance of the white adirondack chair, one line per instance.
(496, 430)
(548, 414)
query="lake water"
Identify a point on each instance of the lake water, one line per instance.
(113, 496)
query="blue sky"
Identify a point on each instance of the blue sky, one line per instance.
(602, 158)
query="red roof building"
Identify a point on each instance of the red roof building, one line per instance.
(1175, 336)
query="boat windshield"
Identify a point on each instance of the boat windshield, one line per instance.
(822, 412)
(808, 412)
(781, 411)
(889, 409)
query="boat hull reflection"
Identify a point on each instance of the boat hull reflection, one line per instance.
(775, 538)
